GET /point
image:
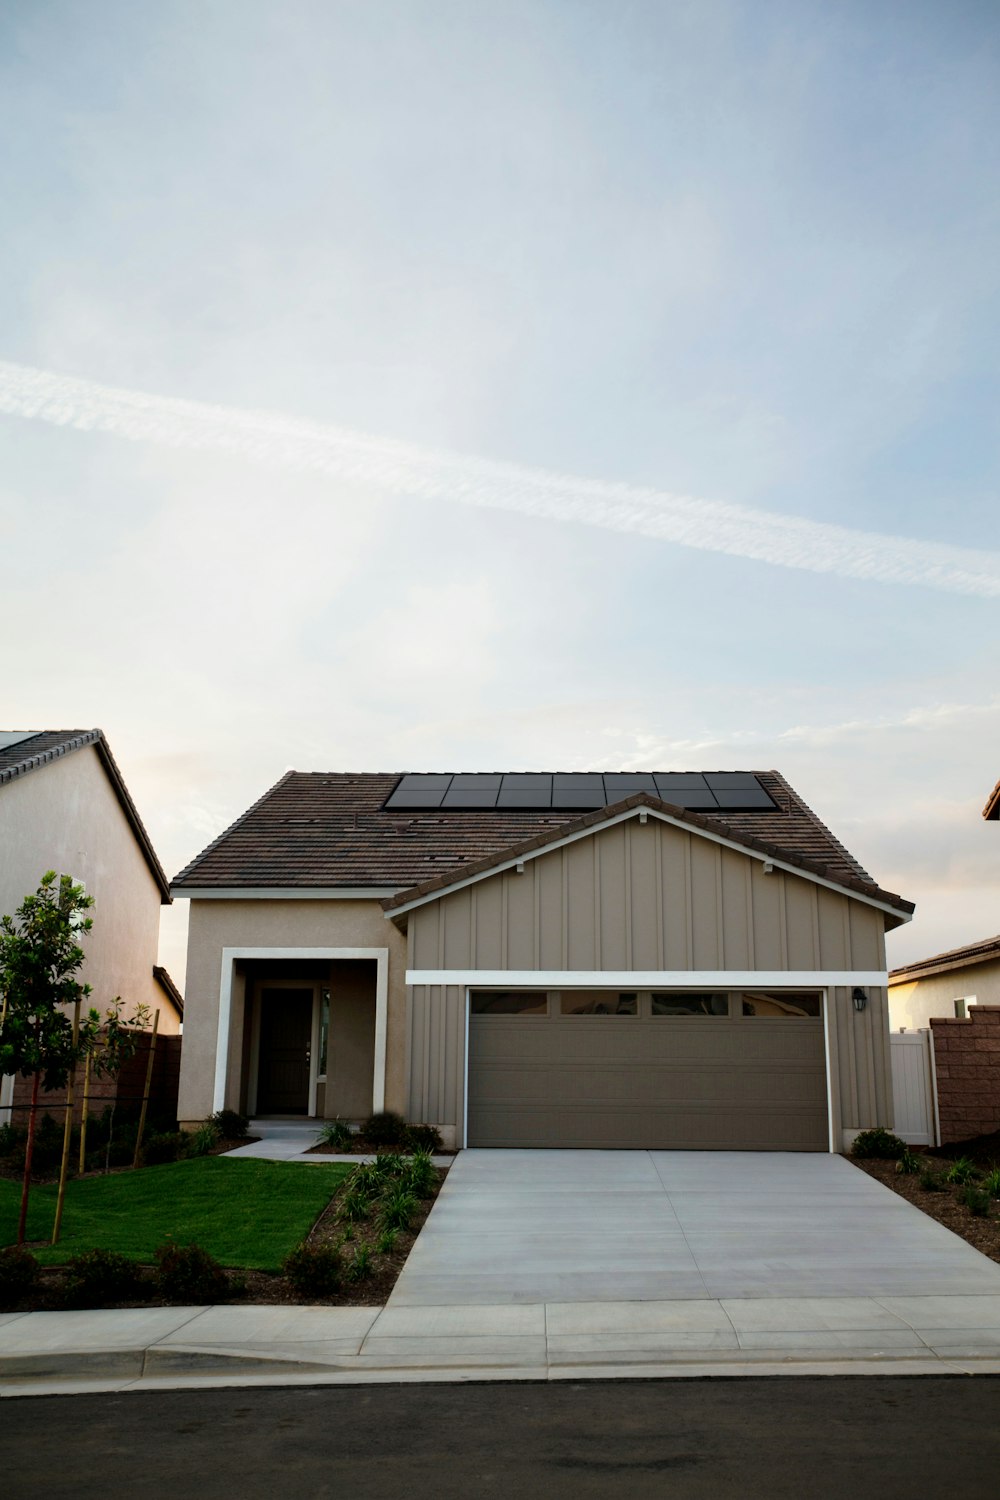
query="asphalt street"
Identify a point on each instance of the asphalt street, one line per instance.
(856, 1437)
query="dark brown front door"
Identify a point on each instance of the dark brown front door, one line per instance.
(285, 1034)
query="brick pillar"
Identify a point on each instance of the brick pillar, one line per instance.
(967, 1063)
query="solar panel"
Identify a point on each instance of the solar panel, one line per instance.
(699, 798)
(621, 784)
(674, 781)
(584, 790)
(525, 789)
(420, 789)
(746, 799)
(472, 791)
(9, 737)
(728, 780)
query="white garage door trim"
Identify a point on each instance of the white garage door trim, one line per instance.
(687, 979)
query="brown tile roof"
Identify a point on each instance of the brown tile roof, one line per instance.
(330, 829)
(173, 994)
(48, 745)
(992, 808)
(954, 958)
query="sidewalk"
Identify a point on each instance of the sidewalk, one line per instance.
(174, 1348)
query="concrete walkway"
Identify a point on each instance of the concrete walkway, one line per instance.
(569, 1265)
(291, 1139)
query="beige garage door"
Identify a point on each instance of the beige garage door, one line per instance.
(649, 1070)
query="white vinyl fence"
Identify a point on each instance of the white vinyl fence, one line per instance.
(913, 1087)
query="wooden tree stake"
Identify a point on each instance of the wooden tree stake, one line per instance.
(67, 1130)
(145, 1094)
(84, 1114)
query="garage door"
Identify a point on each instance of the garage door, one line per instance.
(744, 1071)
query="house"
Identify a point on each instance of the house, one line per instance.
(64, 806)
(992, 809)
(945, 986)
(608, 960)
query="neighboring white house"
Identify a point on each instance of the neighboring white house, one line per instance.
(65, 807)
(945, 986)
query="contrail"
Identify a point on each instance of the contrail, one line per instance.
(420, 473)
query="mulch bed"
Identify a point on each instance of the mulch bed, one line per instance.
(945, 1206)
(360, 1147)
(268, 1287)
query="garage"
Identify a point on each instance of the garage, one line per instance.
(648, 1070)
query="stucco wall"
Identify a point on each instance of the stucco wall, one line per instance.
(655, 898)
(292, 924)
(65, 817)
(914, 1003)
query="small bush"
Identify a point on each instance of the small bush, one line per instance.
(355, 1205)
(962, 1172)
(18, 1274)
(976, 1201)
(337, 1133)
(388, 1165)
(366, 1179)
(360, 1266)
(424, 1138)
(877, 1145)
(386, 1242)
(991, 1182)
(187, 1273)
(11, 1137)
(170, 1146)
(314, 1270)
(201, 1141)
(421, 1175)
(931, 1181)
(230, 1124)
(909, 1162)
(398, 1209)
(384, 1129)
(100, 1277)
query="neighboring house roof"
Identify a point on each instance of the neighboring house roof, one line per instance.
(331, 829)
(34, 751)
(170, 989)
(992, 808)
(954, 958)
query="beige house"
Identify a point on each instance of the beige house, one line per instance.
(65, 807)
(945, 986)
(656, 960)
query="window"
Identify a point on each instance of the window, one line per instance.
(786, 1004)
(509, 1003)
(690, 1005)
(598, 1003)
(324, 1029)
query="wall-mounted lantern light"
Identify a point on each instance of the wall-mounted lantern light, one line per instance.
(859, 997)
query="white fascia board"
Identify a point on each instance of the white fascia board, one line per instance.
(285, 892)
(633, 812)
(651, 979)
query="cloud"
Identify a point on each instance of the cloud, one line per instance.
(423, 474)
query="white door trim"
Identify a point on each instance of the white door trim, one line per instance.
(229, 959)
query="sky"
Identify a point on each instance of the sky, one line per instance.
(443, 384)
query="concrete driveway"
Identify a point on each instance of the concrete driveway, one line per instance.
(653, 1226)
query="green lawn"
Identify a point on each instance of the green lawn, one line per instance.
(244, 1212)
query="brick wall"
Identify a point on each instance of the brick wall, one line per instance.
(128, 1088)
(967, 1062)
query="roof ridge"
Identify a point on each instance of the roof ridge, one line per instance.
(983, 946)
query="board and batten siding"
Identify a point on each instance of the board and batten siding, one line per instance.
(648, 897)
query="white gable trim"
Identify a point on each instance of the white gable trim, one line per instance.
(649, 812)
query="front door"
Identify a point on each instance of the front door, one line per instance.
(286, 1017)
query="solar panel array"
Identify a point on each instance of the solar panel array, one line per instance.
(706, 791)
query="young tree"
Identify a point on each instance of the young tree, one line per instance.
(39, 960)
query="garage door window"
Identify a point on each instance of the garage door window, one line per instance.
(787, 1005)
(690, 1005)
(599, 1003)
(510, 1003)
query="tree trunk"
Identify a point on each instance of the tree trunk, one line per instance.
(29, 1151)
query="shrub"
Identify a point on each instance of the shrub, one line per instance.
(360, 1266)
(11, 1137)
(991, 1183)
(384, 1129)
(230, 1124)
(931, 1181)
(421, 1175)
(976, 1201)
(355, 1205)
(162, 1148)
(962, 1171)
(314, 1270)
(878, 1145)
(424, 1138)
(100, 1277)
(18, 1274)
(386, 1242)
(909, 1162)
(187, 1273)
(366, 1179)
(201, 1141)
(388, 1165)
(337, 1133)
(398, 1209)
